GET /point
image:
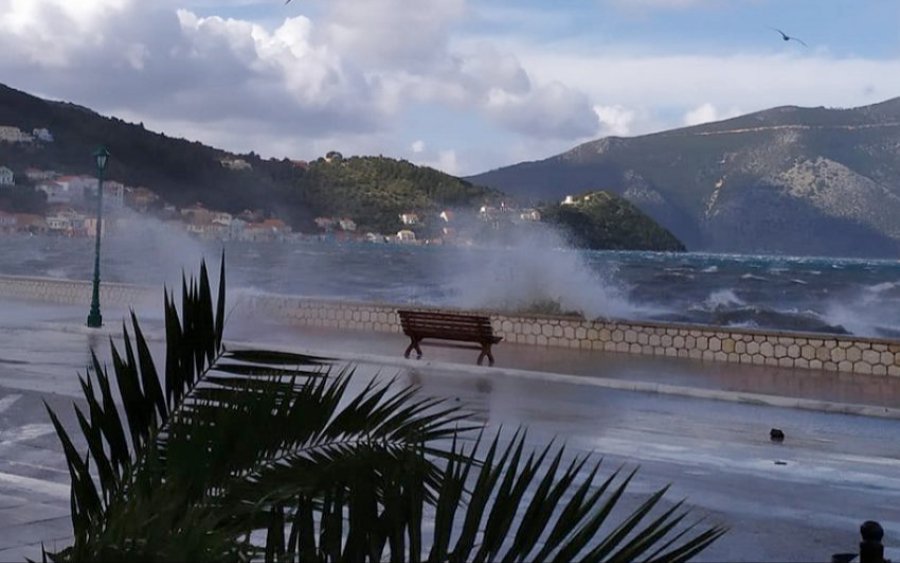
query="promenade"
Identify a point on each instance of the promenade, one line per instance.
(701, 426)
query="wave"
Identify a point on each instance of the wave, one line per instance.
(722, 298)
(753, 277)
(710, 270)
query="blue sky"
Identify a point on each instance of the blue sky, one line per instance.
(462, 85)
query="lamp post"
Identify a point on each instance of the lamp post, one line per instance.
(95, 319)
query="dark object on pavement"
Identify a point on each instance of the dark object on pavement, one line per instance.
(871, 550)
(776, 435)
(419, 325)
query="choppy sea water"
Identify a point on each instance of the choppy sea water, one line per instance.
(790, 293)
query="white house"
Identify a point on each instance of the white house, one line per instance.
(569, 200)
(62, 191)
(43, 134)
(14, 135)
(409, 218)
(347, 224)
(406, 236)
(7, 178)
(530, 215)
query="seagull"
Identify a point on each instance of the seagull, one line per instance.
(787, 37)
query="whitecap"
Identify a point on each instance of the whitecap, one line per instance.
(753, 277)
(711, 270)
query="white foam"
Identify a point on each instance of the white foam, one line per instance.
(537, 270)
(723, 298)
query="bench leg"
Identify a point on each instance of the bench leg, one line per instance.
(413, 345)
(486, 353)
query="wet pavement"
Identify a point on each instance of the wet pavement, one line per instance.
(800, 500)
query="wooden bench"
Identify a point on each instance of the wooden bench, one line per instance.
(419, 325)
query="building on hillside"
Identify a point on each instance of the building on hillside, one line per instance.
(113, 195)
(30, 223)
(14, 135)
(222, 218)
(347, 224)
(447, 216)
(333, 156)
(235, 164)
(409, 218)
(7, 178)
(42, 134)
(8, 222)
(140, 198)
(62, 191)
(570, 200)
(530, 215)
(197, 214)
(36, 175)
(406, 236)
(374, 237)
(301, 164)
(324, 223)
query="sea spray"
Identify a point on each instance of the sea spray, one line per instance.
(537, 274)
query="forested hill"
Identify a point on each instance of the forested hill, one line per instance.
(372, 191)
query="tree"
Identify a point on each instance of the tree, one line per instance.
(233, 455)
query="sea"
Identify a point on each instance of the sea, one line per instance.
(828, 295)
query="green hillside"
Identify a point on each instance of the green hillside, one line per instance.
(602, 220)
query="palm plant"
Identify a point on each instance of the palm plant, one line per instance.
(260, 454)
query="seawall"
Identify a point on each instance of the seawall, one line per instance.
(834, 353)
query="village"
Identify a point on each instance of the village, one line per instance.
(70, 211)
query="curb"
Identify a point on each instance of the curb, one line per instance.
(607, 383)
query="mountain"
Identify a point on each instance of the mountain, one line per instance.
(604, 220)
(372, 191)
(786, 180)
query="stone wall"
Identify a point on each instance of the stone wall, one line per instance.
(77, 292)
(847, 354)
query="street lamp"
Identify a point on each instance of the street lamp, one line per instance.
(95, 319)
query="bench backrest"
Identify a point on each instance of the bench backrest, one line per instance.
(426, 323)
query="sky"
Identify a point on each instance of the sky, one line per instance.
(461, 85)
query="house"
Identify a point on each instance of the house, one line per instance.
(324, 223)
(36, 175)
(374, 237)
(333, 156)
(30, 223)
(406, 236)
(7, 178)
(68, 221)
(197, 214)
(530, 215)
(8, 222)
(222, 218)
(235, 164)
(42, 134)
(113, 195)
(62, 191)
(409, 218)
(140, 198)
(446, 216)
(569, 200)
(14, 135)
(301, 164)
(347, 224)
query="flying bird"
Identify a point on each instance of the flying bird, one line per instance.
(787, 37)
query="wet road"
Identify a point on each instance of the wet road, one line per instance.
(832, 471)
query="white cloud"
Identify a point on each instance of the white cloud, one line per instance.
(615, 120)
(418, 146)
(707, 113)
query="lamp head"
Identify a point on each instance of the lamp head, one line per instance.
(101, 156)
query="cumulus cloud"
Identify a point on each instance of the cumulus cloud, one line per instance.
(706, 113)
(615, 120)
(418, 146)
(554, 111)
